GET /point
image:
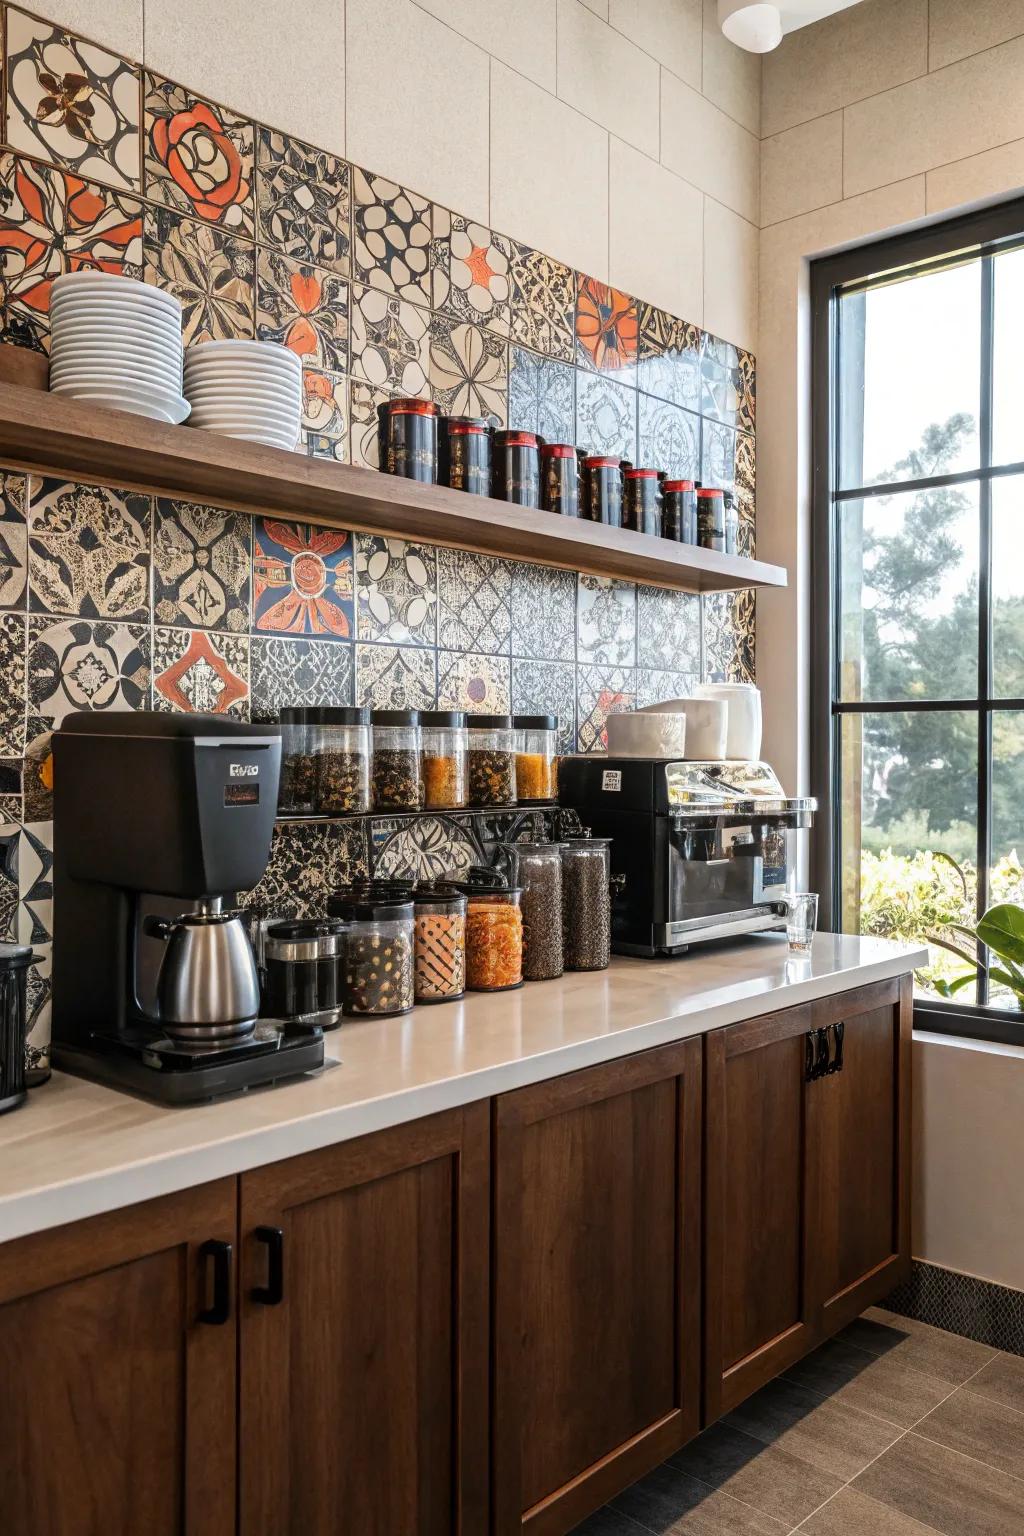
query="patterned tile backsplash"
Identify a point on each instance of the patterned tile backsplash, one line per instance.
(110, 599)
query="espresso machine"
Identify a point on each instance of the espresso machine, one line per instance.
(700, 851)
(158, 821)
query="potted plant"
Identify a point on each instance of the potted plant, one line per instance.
(1000, 930)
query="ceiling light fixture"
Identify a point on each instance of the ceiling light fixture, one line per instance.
(757, 28)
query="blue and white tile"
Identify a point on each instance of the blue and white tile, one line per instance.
(669, 439)
(605, 621)
(668, 630)
(605, 415)
(477, 683)
(541, 396)
(543, 612)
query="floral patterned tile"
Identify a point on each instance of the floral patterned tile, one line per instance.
(199, 158)
(200, 672)
(38, 1001)
(542, 303)
(102, 229)
(35, 884)
(37, 779)
(656, 687)
(423, 847)
(396, 590)
(668, 630)
(88, 550)
(81, 664)
(31, 201)
(71, 103)
(541, 396)
(474, 610)
(396, 676)
(746, 414)
(729, 624)
(303, 201)
(605, 415)
(469, 269)
(669, 438)
(718, 454)
(721, 380)
(391, 234)
(390, 343)
(669, 357)
(548, 688)
(364, 423)
(468, 370)
(201, 566)
(606, 329)
(12, 684)
(600, 692)
(10, 838)
(287, 673)
(303, 308)
(606, 621)
(211, 272)
(13, 540)
(480, 684)
(543, 607)
(302, 579)
(325, 410)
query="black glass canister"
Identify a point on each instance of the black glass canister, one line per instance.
(15, 960)
(516, 475)
(641, 509)
(679, 512)
(711, 518)
(302, 965)
(467, 454)
(559, 480)
(602, 500)
(409, 439)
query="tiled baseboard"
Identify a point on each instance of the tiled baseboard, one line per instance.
(975, 1309)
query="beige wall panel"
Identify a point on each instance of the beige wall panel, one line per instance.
(606, 77)
(665, 265)
(708, 149)
(802, 169)
(995, 173)
(669, 30)
(730, 276)
(730, 76)
(957, 28)
(519, 32)
(117, 24)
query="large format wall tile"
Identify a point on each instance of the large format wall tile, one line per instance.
(802, 168)
(730, 76)
(198, 157)
(88, 550)
(666, 265)
(730, 274)
(519, 32)
(704, 146)
(604, 75)
(669, 30)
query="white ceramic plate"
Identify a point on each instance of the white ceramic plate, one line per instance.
(268, 439)
(246, 422)
(117, 347)
(71, 283)
(157, 407)
(283, 399)
(116, 357)
(241, 347)
(103, 315)
(116, 378)
(216, 374)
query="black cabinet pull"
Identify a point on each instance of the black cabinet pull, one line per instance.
(821, 1063)
(839, 1030)
(219, 1309)
(272, 1293)
(809, 1056)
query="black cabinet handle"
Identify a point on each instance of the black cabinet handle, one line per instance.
(219, 1309)
(821, 1064)
(272, 1293)
(838, 1030)
(809, 1056)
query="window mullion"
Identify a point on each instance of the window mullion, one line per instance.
(985, 607)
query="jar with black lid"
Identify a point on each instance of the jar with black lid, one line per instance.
(444, 743)
(467, 454)
(559, 479)
(641, 510)
(602, 502)
(397, 765)
(440, 943)
(679, 511)
(16, 1076)
(516, 475)
(302, 966)
(536, 756)
(377, 975)
(297, 787)
(342, 739)
(732, 525)
(408, 434)
(492, 760)
(711, 518)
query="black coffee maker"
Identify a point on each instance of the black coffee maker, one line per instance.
(157, 820)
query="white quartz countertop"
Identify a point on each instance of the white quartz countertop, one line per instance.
(78, 1148)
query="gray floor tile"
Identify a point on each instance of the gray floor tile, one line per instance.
(767, 1477)
(927, 1349)
(835, 1439)
(939, 1487)
(671, 1504)
(990, 1432)
(881, 1384)
(1002, 1380)
(853, 1514)
(608, 1522)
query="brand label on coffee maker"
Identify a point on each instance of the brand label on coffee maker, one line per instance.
(243, 770)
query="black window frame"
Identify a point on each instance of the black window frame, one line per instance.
(985, 234)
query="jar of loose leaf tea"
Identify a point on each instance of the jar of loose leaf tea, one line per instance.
(540, 877)
(466, 460)
(408, 439)
(559, 479)
(492, 760)
(679, 511)
(536, 747)
(516, 472)
(343, 761)
(440, 947)
(397, 774)
(711, 518)
(494, 937)
(586, 903)
(602, 490)
(444, 742)
(379, 948)
(642, 504)
(297, 789)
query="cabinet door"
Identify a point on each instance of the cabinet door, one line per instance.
(117, 1403)
(759, 1311)
(859, 1151)
(596, 1284)
(364, 1335)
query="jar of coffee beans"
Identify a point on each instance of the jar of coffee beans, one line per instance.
(492, 760)
(540, 877)
(343, 761)
(397, 775)
(444, 743)
(296, 794)
(586, 903)
(379, 948)
(440, 943)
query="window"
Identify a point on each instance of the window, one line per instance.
(918, 624)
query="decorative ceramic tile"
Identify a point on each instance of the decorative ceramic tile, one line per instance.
(480, 684)
(468, 370)
(422, 847)
(390, 237)
(600, 692)
(303, 308)
(606, 328)
(721, 380)
(746, 414)
(11, 809)
(71, 103)
(201, 566)
(38, 774)
(729, 625)
(390, 341)
(303, 200)
(605, 415)
(668, 629)
(656, 687)
(102, 229)
(606, 621)
(396, 590)
(38, 1005)
(474, 611)
(669, 353)
(396, 676)
(10, 838)
(364, 423)
(12, 684)
(199, 672)
(541, 396)
(547, 688)
(302, 579)
(211, 272)
(975, 1309)
(718, 454)
(35, 884)
(88, 550)
(288, 673)
(325, 414)
(13, 540)
(543, 612)
(30, 216)
(308, 859)
(542, 303)
(78, 664)
(669, 439)
(469, 268)
(198, 156)
(744, 475)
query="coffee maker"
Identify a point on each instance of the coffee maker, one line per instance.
(158, 819)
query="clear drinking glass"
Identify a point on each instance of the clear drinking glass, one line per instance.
(801, 921)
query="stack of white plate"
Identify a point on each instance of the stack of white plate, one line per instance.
(248, 389)
(117, 342)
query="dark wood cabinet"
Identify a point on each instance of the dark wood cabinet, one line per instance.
(117, 1402)
(596, 1283)
(364, 1335)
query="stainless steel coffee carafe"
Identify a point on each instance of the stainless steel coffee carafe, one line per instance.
(208, 987)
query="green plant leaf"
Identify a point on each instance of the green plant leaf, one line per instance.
(954, 949)
(947, 858)
(1002, 929)
(1006, 980)
(949, 988)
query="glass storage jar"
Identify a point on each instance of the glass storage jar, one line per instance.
(536, 749)
(378, 969)
(641, 508)
(343, 761)
(302, 965)
(440, 947)
(408, 439)
(397, 764)
(679, 511)
(467, 454)
(602, 500)
(296, 795)
(559, 479)
(711, 518)
(492, 760)
(444, 743)
(586, 903)
(516, 475)
(540, 878)
(494, 939)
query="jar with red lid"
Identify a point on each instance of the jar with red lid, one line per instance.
(559, 480)
(516, 475)
(679, 511)
(641, 510)
(466, 456)
(711, 518)
(602, 501)
(408, 439)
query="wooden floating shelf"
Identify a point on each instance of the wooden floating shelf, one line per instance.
(56, 435)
